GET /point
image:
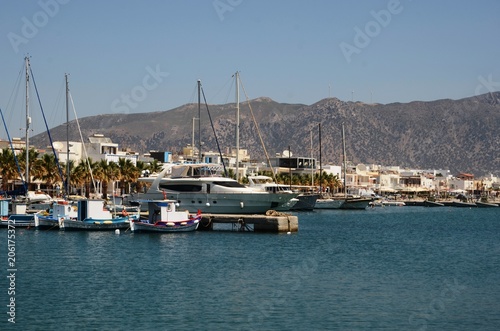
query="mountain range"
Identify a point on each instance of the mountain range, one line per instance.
(459, 135)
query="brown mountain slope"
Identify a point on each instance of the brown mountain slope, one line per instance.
(460, 135)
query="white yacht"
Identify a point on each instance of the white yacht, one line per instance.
(266, 184)
(201, 187)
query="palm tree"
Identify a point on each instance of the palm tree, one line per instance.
(46, 170)
(128, 173)
(8, 170)
(142, 167)
(155, 166)
(82, 174)
(106, 172)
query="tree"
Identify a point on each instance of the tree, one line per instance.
(46, 170)
(33, 155)
(8, 170)
(84, 173)
(155, 166)
(127, 173)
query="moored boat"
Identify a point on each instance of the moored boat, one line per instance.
(18, 220)
(93, 216)
(164, 217)
(430, 203)
(61, 210)
(266, 184)
(355, 203)
(201, 187)
(306, 201)
(482, 204)
(328, 203)
(462, 204)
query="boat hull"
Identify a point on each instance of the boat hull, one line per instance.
(46, 223)
(328, 204)
(428, 203)
(93, 225)
(221, 203)
(486, 204)
(165, 227)
(355, 203)
(306, 202)
(21, 220)
(464, 204)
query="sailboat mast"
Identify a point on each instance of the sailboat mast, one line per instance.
(199, 121)
(237, 76)
(66, 188)
(312, 166)
(28, 121)
(320, 163)
(345, 162)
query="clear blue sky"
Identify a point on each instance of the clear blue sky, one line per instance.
(291, 51)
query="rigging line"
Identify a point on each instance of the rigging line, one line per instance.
(14, 94)
(57, 106)
(230, 80)
(47, 127)
(215, 135)
(229, 90)
(258, 131)
(83, 143)
(192, 99)
(14, 153)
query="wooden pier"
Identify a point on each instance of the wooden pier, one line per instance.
(279, 222)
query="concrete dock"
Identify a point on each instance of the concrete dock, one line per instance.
(272, 222)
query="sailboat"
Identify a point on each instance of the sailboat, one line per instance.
(60, 209)
(350, 202)
(345, 202)
(19, 216)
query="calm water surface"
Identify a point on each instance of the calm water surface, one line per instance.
(393, 268)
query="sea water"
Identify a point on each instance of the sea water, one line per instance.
(385, 268)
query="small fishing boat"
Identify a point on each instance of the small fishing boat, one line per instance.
(163, 217)
(18, 220)
(61, 210)
(92, 215)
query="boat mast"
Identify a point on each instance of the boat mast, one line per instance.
(345, 162)
(199, 121)
(66, 188)
(311, 162)
(237, 76)
(28, 121)
(320, 163)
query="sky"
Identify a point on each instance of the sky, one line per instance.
(125, 56)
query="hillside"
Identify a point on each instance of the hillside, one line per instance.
(460, 135)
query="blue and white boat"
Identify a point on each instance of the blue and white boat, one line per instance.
(163, 217)
(92, 215)
(60, 210)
